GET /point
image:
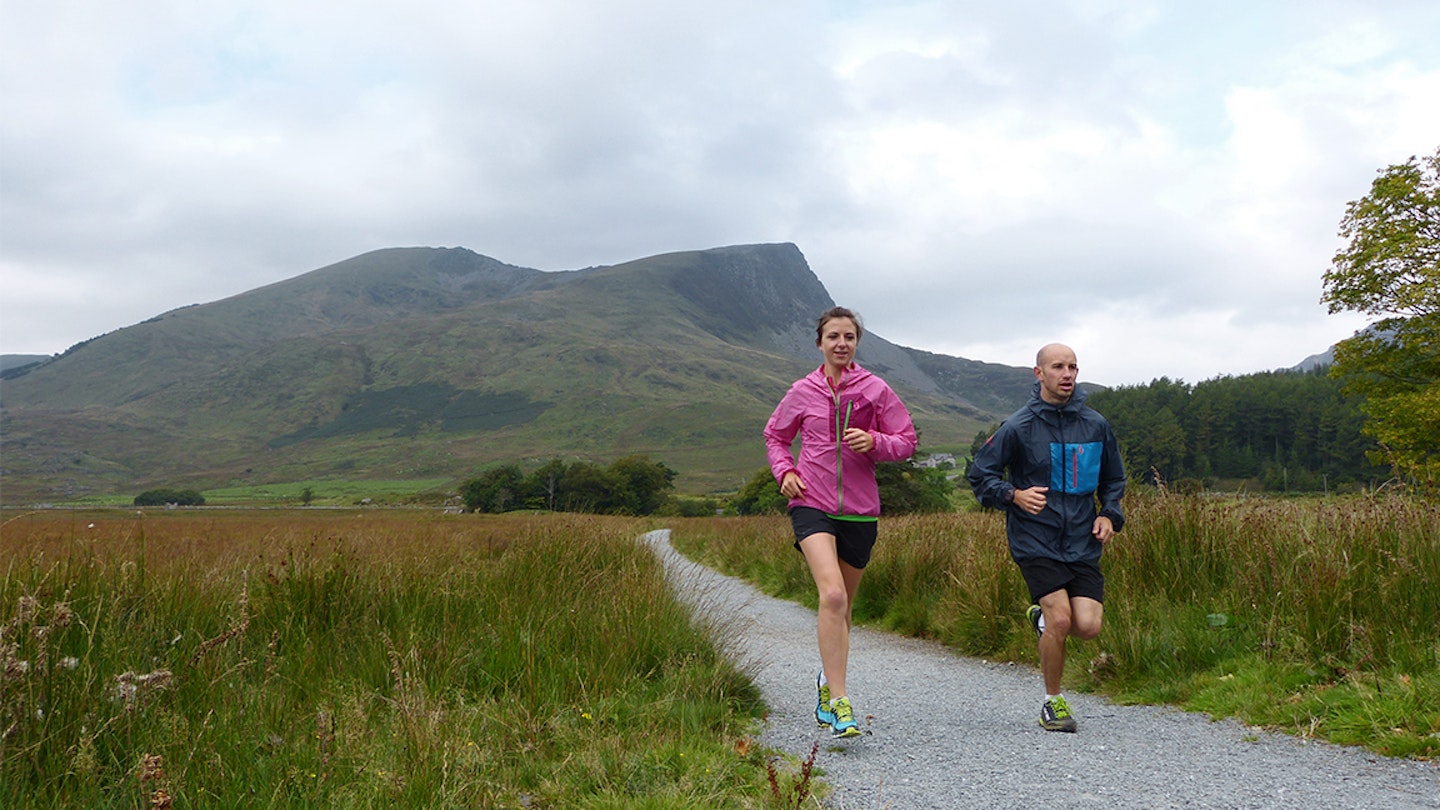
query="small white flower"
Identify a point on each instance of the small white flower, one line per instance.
(69, 662)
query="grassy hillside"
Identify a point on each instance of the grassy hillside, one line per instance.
(424, 363)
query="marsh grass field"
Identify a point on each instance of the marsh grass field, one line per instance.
(375, 658)
(1319, 618)
(405, 658)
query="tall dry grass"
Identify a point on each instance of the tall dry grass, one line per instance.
(357, 659)
(1339, 584)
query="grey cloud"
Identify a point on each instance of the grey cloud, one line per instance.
(1083, 159)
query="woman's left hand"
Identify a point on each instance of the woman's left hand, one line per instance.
(859, 440)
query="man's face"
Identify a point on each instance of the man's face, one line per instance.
(1057, 372)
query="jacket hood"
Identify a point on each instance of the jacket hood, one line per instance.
(1039, 405)
(852, 375)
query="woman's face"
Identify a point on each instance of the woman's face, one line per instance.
(838, 339)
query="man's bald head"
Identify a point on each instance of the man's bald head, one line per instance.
(1049, 349)
(1056, 369)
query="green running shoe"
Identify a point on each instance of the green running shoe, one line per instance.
(1037, 619)
(1055, 715)
(824, 716)
(844, 725)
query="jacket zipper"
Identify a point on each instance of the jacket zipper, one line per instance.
(840, 428)
(1064, 479)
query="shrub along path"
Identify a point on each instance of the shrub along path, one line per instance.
(949, 732)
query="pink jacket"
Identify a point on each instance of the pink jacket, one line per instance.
(838, 480)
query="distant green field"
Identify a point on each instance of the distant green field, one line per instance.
(322, 493)
(330, 492)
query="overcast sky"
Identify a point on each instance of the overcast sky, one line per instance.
(1159, 184)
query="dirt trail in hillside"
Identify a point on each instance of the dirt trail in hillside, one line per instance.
(949, 732)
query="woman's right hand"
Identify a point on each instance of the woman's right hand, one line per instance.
(791, 486)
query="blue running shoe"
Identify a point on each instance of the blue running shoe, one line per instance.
(823, 715)
(844, 725)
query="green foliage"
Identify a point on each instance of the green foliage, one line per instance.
(1406, 424)
(907, 488)
(542, 486)
(1395, 371)
(589, 487)
(165, 497)
(1285, 430)
(760, 495)
(1390, 266)
(643, 483)
(633, 485)
(496, 490)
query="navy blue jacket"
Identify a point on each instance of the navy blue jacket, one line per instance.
(1069, 448)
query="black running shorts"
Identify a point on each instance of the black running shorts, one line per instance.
(1045, 576)
(854, 537)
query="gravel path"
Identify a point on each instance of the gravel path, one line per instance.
(949, 732)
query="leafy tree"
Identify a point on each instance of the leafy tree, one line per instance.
(306, 496)
(643, 483)
(1390, 267)
(1160, 441)
(1286, 430)
(1146, 420)
(632, 485)
(165, 497)
(760, 495)
(906, 488)
(496, 490)
(542, 487)
(588, 487)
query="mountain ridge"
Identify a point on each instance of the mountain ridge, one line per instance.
(433, 362)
